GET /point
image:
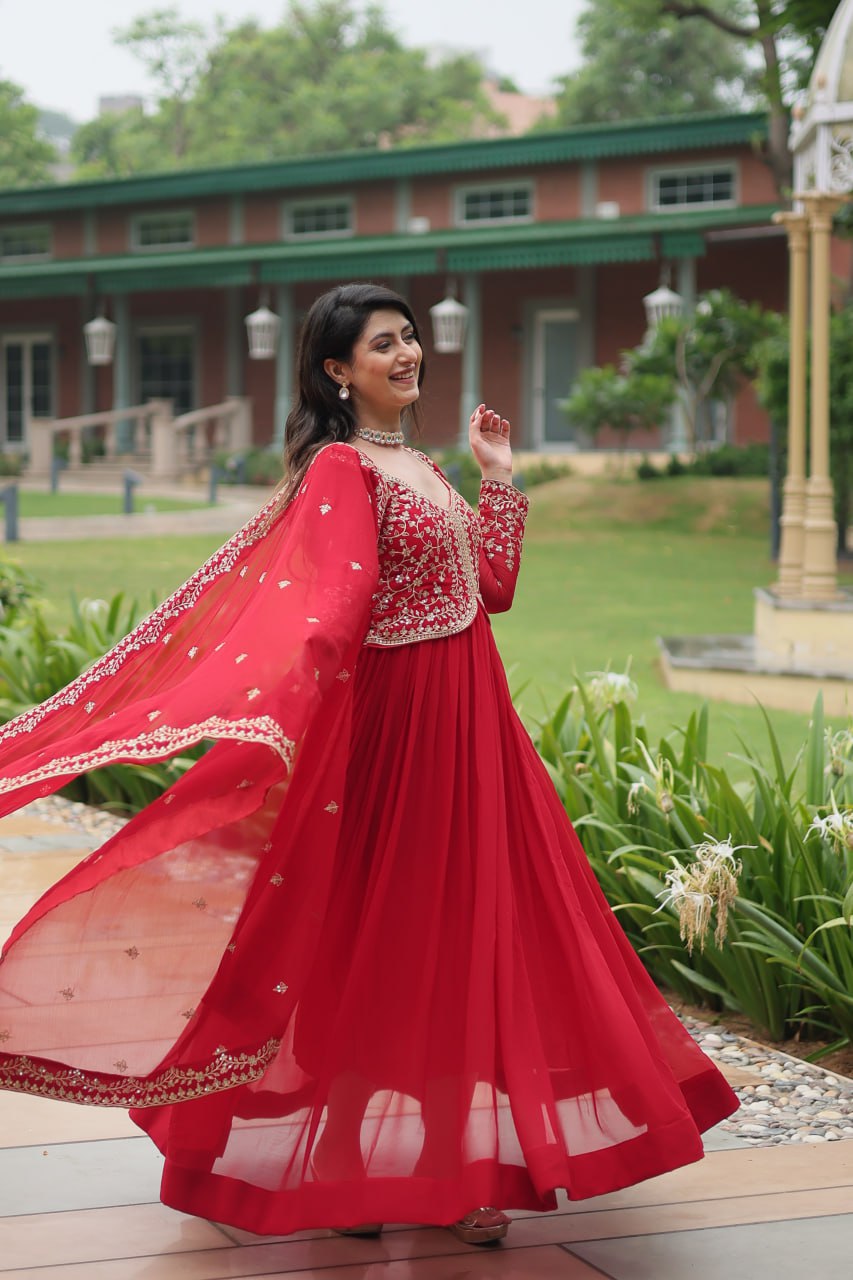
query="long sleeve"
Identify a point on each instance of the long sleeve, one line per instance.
(502, 511)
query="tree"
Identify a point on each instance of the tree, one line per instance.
(633, 69)
(329, 77)
(25, 157)
(625, 402)
(708, 353)
(784, 36)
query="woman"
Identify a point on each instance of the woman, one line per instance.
(353, 967)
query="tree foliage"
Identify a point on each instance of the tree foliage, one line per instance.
(634, 68)
(708, 353)
(625, 402)
(329, 77)
(25, 157)
(784, 37)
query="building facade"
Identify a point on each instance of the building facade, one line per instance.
(551, 240)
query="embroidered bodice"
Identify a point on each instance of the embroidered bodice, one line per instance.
(437, 562)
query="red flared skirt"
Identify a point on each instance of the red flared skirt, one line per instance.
(473, 1027)
(388, 990)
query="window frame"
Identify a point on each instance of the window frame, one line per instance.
(137, 219)
(290, 207)
(461, 193)
(43, 256)
(151, 327)
(679, 170)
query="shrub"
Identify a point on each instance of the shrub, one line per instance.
(646, 470)
(18, 590)
(11, 464)
(261, 467)
(656, 821)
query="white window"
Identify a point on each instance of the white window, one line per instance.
(694, 188)
(506, 202)
(318, 219)
(172, 230)
(25, 242)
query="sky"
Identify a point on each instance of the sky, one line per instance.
(62, 54)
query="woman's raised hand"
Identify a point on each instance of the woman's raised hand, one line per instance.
(489, 436)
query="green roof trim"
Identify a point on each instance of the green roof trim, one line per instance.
(585, 142)
(682, 244)
(584, 241)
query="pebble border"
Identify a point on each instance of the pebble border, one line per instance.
(792, 1101)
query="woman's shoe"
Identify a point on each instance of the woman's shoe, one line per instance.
(481, 1226)
(365, 1229)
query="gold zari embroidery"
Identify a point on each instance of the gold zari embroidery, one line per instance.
(176, 1084)
(158, 742)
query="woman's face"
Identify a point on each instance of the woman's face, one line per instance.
(382, 372)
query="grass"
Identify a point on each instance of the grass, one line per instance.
(33, 502)
(608, 566)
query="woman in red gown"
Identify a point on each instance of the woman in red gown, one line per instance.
(353, 967)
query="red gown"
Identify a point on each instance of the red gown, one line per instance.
(354, 966)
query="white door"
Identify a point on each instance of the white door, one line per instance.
(27, 386)
(554, 370)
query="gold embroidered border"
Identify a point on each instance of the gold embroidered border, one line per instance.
(176, 1084)
(159, 742)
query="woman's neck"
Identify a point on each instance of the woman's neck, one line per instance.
(375, 420)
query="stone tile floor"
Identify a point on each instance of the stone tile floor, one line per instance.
(78, 1190)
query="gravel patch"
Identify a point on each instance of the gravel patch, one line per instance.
(782, 1099)
(84, 818)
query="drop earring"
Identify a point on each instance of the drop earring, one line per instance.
(343, 394)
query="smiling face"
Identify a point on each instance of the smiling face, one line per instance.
(382, 371)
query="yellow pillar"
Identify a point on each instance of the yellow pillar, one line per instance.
(794, 490)
(820, 540)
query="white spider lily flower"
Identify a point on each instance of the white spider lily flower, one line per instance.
(708, 883)
(835, 828)
(94, 610)
(634, 792)
(839, 747)
(609, 687)
(664, 779)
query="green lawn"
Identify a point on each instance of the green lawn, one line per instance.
(608, 566)
(38, 503)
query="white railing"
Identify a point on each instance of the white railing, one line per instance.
(175, 444)
(44, 433)
(187, 442)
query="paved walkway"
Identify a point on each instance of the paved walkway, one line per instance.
(235, 505)
(79, 1191)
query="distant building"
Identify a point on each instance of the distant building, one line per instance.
(552, 240)
(118, 102)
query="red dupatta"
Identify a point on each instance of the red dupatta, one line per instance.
(252, 653)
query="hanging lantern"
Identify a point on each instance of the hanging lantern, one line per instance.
(262, 329)
(449, 319)
(662, 304)
(100, 336)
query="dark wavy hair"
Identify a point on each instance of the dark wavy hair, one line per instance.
(332, 327)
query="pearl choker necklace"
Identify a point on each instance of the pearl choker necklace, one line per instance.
(387, 438)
